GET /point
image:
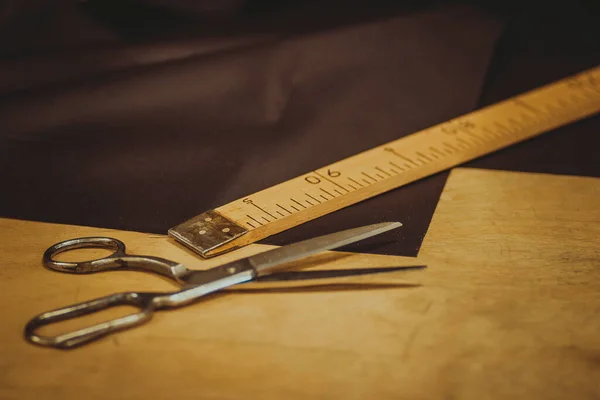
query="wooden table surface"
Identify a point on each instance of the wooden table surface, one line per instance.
(508, 307)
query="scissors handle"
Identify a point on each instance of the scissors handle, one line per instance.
(142, 301)
(147, 302)
(119, 259)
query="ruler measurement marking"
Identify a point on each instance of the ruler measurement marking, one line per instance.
(381, 176)
(325, 191)
(502, 129)
(409, 160)
(294, 207)
(423, 156)
(335, 183)
(263, 210)
(325, 198)
(266, 219)
(523, 104)
(315, 199)
(475, 140)
(254, 219)
(466, 144)
(308, 201)
(496, 135)
(393, 164)
(251, 226)
(297, 202)
(502, 132)
(283, 208)
(358, 183)
(516, 124)
(338, 192)
(368, 176)
(367, 182)
(435, 150)
(394, 152)
(474, 136)
(384, 171)
(353, 188)
(528, 119)
(280, 213)
(449, 146)
(394, 171)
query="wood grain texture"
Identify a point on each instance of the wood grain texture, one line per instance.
(509, 307)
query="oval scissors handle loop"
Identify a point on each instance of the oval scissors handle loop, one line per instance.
(143, 301)
(107, 262)
(119, 259)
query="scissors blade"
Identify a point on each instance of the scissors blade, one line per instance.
(333, 273)
(264, 262)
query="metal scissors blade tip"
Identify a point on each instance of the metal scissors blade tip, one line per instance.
(263, 262)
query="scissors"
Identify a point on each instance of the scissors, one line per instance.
(195, 283)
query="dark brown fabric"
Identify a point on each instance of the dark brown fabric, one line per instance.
(144, 134)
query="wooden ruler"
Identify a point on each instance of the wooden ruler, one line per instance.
(391, 165)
